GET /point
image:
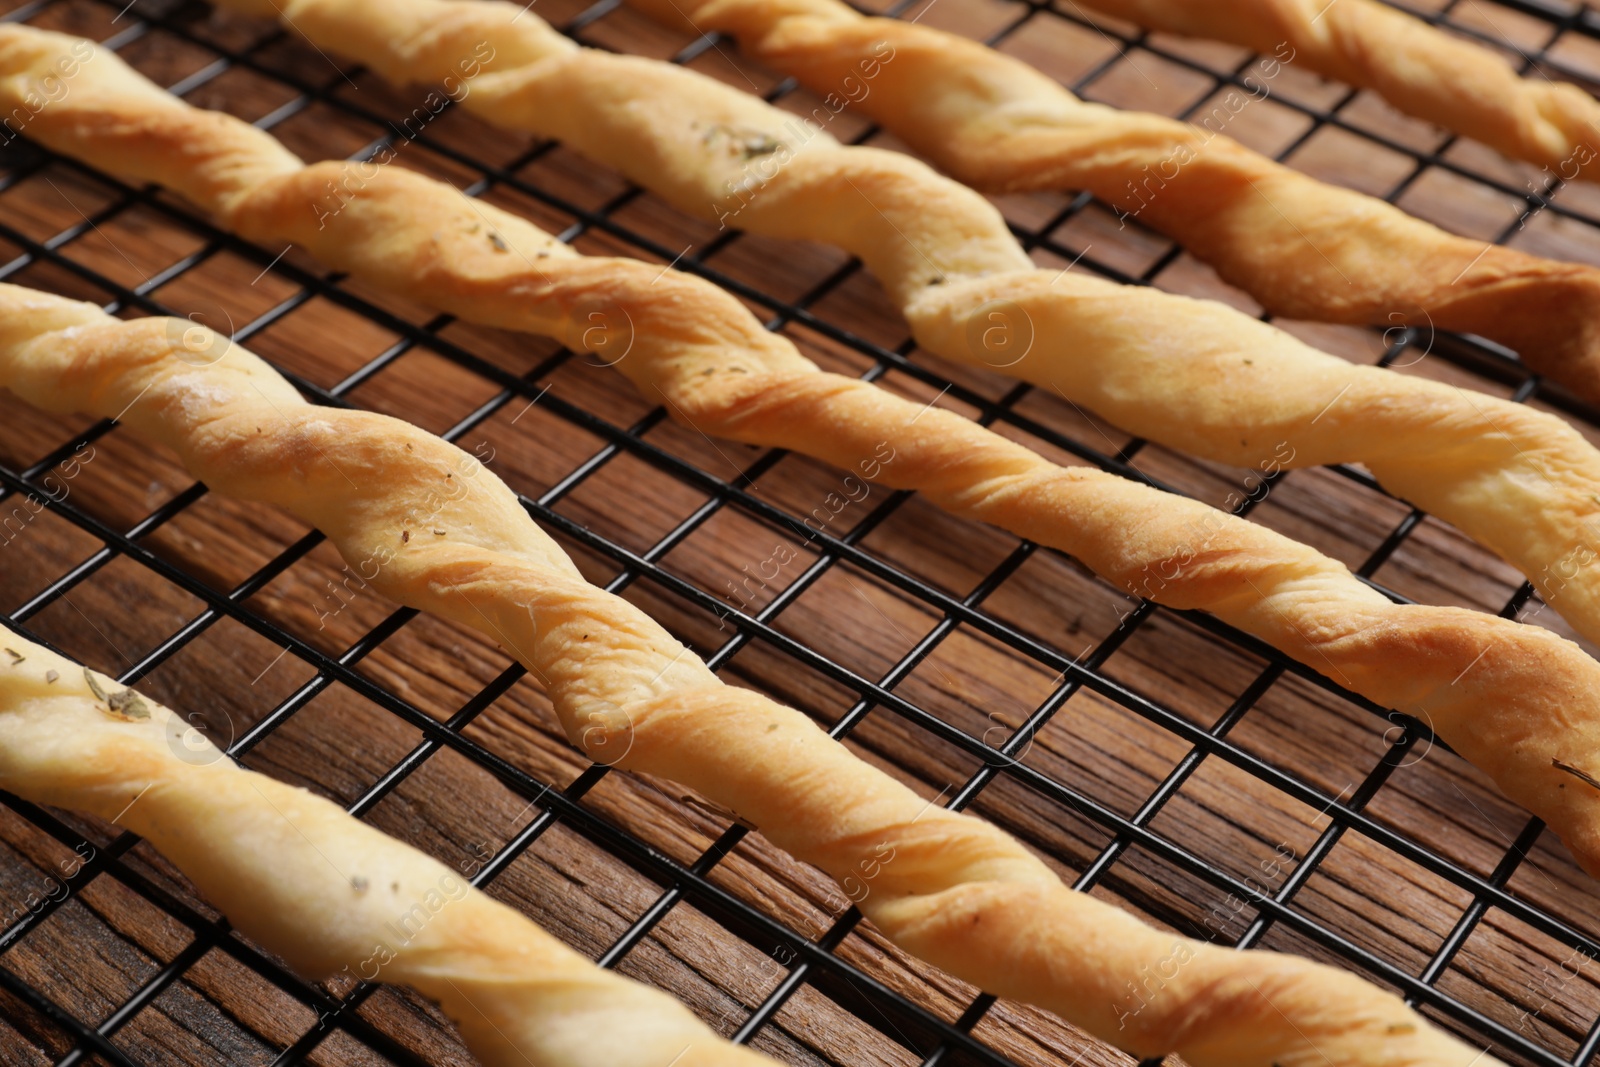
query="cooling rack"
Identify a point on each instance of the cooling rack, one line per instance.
(1156, 758)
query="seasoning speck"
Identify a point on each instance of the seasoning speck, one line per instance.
(16, 657)
(405, 536)
(359, 884)
(94, 686)
(438, 533)
(760, 146)
(50, 677)
(499, 243)
(129, 705)
(1402, 1028)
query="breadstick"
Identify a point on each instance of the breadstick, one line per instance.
(320, 888)
(1461, 85)
(440, 533)
(697, 350)
(1303, 248)
(1190, 374)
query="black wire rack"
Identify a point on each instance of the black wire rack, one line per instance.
(808, 961)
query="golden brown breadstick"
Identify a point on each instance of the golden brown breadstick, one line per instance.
(696, 349)
(442, 534)
(1302, 248)
(1458, 84)
(319, 887)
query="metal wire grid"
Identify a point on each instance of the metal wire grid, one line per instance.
(814, 962)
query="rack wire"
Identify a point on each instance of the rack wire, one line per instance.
(809, 962)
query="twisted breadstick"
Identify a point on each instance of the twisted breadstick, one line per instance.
(1191, 374)
(713, 364)
(436, 531)
(1425, 72)
(313, 884)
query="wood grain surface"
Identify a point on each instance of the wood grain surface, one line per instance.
(120, 928)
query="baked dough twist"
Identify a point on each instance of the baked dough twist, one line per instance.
(1461, 85)
(440, 533)
(1191, 374)
(694, 347)
(315, 885)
